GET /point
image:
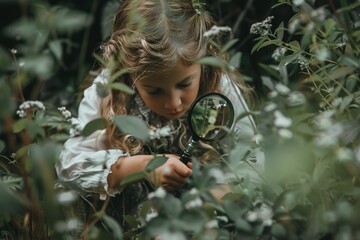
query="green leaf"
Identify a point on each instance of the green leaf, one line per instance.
(235, 60)
(256, 46)
(212, 61)
(122, 87)
(20, 125)
(229, 44)
(133, 126)
(92, 126)
(133, 178)
(341, 72)
(349, 60)
(114, 226)
(275, 42)
(280, 31)
(56, 49)
(155, 163)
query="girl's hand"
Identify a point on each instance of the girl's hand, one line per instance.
(172, 174)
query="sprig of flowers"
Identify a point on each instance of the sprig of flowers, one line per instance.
(29, 105)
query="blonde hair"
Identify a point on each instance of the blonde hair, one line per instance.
(151, 36)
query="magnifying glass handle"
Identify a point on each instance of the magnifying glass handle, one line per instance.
(185, 157)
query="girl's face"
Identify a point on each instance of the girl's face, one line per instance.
(170, 93)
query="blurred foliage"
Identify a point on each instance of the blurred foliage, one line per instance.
(304, 65)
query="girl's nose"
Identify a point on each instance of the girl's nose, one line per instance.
(173, 101)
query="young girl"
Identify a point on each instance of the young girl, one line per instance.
(158, 43)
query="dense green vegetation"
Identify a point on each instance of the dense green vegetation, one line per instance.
(300, 56)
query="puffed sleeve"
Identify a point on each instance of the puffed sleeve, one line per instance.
(84, 162)
(245, 155)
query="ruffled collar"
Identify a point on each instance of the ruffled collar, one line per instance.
(157, 126)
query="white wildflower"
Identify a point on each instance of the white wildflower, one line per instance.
(285, 133)
(212, 224)
(151, 215)
(215, 30)
(325, 140)
(194, 191)
(281, 121)
(223, 219)
(336, 102)
(65, 113)
(37, 105)
(13, 51)
(295, 99)
(322, 54)
(69, 225)
(324, 120)
(195, 203)
(278, 53)
(217, 174)
(270, 107)
(273, 94)
(318, 14)
(262, 28)
(282, 89)
(159, 193)
(298, 2)
(66, 197)
(211, 120)
(344, 154)
(258, 138)
(21, 64)
(157, 133)
(293, 25)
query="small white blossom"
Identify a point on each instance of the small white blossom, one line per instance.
(298, 2)
(217, 174)
(281, 121)
(285, 133)
(151, 215)
(318, 14)
(262, 28)
(278, 53)
(67, 197)
(21, 64)
(282, 89)
(65, 113)
(212, 224)
(195, 203)
(13, 51)
(159, 193)
(270, 107)
(215, 30)
(273, 94)
(37, 105)
(344, 154)
(293, 25)
(211, 120)
(69, 225)
(322, 54)
(222, 218)
(157, 133)
(295, 99)
(194, 191)
(336, 102)
(258, 138)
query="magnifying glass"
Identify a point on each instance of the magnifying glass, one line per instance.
(210, 117)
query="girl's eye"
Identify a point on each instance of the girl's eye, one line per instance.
(154, 91)
(184, 85)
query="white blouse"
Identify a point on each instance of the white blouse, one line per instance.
(84, 163)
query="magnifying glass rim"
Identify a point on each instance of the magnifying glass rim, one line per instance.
(197, 137)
